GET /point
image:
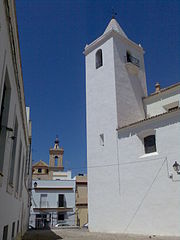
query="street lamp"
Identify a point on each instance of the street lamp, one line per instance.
(176, 167)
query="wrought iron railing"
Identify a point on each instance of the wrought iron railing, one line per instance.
(133, 60)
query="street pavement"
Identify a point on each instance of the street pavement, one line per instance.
(83, 234)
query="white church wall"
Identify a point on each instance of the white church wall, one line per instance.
(128, 191)
(139, 197)
(100, 99)
(101, 119)
(14, 206)
(130, 82)
(147, 191)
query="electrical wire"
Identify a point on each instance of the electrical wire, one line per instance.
(145, 195)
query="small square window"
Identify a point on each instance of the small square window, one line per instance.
(150, 144)
(39, 170)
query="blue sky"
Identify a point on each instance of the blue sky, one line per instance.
(53, 34)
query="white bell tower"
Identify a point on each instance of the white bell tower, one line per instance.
(115, 86)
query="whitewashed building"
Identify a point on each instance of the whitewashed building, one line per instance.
(53, 192)
(133, 141)
(53, 202)
(15, 131)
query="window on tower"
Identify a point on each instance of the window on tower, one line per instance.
(132, 59)
(56, 161)
(99, 58)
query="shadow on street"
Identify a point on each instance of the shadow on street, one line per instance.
(40, 235)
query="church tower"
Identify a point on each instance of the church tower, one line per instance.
(115, 74)
(56, 157)
(115, 86)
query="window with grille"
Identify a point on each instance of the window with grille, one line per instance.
(132, 59)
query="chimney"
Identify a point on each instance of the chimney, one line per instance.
(157, 87)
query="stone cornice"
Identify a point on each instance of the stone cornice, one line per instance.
(103, 38)
(176, 111)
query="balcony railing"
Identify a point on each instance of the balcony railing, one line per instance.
(45, 204)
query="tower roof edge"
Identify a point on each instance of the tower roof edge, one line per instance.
(105, 37)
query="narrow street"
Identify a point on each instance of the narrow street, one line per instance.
(77, 234)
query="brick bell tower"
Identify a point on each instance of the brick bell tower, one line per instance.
(56, 157)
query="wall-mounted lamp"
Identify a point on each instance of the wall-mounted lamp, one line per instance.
(10, 130)
(176, 167)
(35, 184)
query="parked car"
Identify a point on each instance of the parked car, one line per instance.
(85, 225)
(61, 224)
(31, 227)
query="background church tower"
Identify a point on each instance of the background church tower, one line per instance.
(56, 157)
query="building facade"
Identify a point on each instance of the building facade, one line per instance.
(53, 192)
(133, 141)
(81, 217)
(15, 131)
(53, 202)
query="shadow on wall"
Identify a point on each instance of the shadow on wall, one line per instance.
(40, 235)
(148, 125)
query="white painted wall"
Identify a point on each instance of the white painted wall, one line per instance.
(103, 106)
(101, 119)
(158, 104)
(13, 206)
(148, 201)
(52, 199)
(128, 191)
(61, 175)
(130, 81)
